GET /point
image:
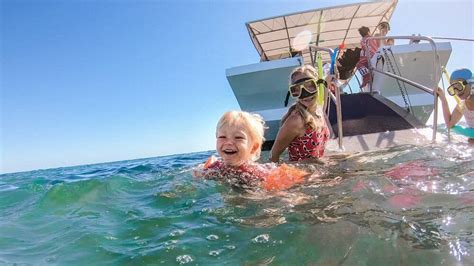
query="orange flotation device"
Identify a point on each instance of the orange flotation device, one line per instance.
(279, 178)
(283, 177)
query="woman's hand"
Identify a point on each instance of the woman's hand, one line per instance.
(441, 93)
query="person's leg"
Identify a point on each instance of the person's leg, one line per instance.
(364, 72)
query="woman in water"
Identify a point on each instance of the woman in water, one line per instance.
(303, 128)
(461, 86)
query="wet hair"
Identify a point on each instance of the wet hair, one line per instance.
(384, 25)
(308, 118)
(364, 31)
(308, 70)
(253, 124)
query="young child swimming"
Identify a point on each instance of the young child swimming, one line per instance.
(239, 139)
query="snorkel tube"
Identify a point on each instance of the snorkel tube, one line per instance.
(320, 98)
(333, 61)
(334, 57)
(458, 100)
(332, 70)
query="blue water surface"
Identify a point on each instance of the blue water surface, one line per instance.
(153, 211)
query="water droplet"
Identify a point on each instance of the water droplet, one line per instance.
(212, 237)
(190, 202)
(177, 232)
(183, 259)
(215, 253)
(51, 259)
(264, 238)
(169, 245)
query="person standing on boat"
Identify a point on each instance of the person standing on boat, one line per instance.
(383, 28)
(461, 86)
(368, 48)
(303, 128)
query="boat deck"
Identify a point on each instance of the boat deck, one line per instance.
(382, 140)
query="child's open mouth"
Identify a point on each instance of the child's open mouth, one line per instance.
(229, 152)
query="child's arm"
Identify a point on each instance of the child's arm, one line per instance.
(200, 171)
(210, 162)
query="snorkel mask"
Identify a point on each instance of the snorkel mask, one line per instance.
(461, 80)
(457, 87)
(305, 87)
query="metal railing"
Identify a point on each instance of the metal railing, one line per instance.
(453, 39)
(436, 72)
(337, 98)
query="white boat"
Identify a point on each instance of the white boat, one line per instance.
(413, 62)
(392, 106)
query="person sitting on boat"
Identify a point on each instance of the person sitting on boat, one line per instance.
(239, 138)
(303, 128)
(461, 86)
(368, 48)
(383, 28)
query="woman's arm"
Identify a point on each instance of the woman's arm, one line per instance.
(450, 119)
(286, 134)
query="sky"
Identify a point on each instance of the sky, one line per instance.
(97, 81)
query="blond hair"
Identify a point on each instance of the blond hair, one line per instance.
(305, 69)
(308, 118)
(253, 123)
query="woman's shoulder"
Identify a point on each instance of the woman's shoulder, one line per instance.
(469, 105)
(294, 119)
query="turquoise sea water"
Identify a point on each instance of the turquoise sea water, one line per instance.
(153, 211)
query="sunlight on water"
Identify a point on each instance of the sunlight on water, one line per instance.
(402, 206)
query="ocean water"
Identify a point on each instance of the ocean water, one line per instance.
(409, 205)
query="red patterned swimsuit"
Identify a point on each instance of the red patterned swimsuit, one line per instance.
(244, 175)
(252, 175)
(310, 145)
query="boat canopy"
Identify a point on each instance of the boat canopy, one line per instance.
(279, 37)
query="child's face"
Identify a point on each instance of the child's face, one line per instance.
(383, 30)
(234, 145)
